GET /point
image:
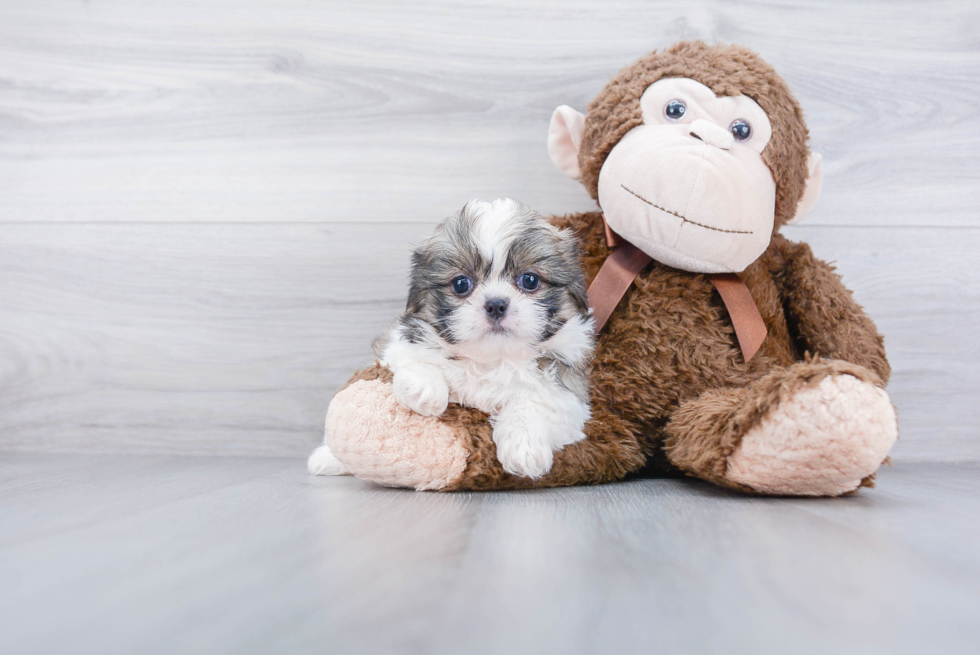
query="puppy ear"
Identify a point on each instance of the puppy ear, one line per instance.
(570, 251)
(565, 138)
(814, 183)
(566, 240)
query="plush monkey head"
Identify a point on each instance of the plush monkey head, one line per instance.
(696, 155)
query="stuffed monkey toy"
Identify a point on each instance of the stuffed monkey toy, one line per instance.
(727, 353)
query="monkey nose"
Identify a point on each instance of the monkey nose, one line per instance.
(712, 134)
(496, 308)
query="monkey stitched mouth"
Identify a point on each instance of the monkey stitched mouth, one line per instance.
(686, 220)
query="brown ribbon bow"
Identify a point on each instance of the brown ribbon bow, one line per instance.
(625, 263)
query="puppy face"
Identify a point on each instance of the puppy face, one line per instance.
(494, 276)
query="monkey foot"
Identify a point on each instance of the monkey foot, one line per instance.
(824, 441)
(376, 439)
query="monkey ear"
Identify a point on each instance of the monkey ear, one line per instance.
(814, 182)
(565, 138)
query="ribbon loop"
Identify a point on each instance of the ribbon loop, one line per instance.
(626, 261)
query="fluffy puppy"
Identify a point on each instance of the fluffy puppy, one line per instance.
(497, 319)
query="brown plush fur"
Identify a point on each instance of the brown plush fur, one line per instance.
(670, 345)
(726, 70)
(703, 433)
(670, 389)
(609, 453)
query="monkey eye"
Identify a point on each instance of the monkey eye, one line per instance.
(462, 285)
(529, 282)
(740, 129)
(674, 110)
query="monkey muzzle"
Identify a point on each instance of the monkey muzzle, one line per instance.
(693, 201)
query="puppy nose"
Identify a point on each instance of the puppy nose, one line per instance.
(713, 135)
(496, 307)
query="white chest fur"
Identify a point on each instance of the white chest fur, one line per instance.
(487, 385)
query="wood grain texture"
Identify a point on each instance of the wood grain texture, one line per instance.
(205, 209)
(230, 339)
(188, 338)
(252, 110)
(222, 555)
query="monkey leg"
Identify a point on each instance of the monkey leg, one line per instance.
(378, 440)
(817, 428)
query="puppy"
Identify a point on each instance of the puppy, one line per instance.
(497, 319)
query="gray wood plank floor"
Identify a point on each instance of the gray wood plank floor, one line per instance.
(134, 554)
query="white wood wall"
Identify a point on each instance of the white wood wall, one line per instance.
(206, 208)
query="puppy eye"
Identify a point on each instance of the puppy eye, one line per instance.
(674, 110)
(462, 285)
(740, 129)
(529, 281)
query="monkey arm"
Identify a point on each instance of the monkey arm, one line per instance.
(376, 439)
(822, 314)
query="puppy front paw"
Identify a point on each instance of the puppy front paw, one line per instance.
(562, 433)
(422, 389)
(522, 453)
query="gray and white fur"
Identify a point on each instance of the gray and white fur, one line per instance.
(498, 319)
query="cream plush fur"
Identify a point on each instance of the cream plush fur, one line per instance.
(704, 205)
(822, 442)
(433, 458)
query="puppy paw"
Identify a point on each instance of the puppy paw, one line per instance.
(564, 421)
(563, 433)
(323, 462)
(422, 389)
(522, 453)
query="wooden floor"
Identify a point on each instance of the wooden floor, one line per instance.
(139, 554)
